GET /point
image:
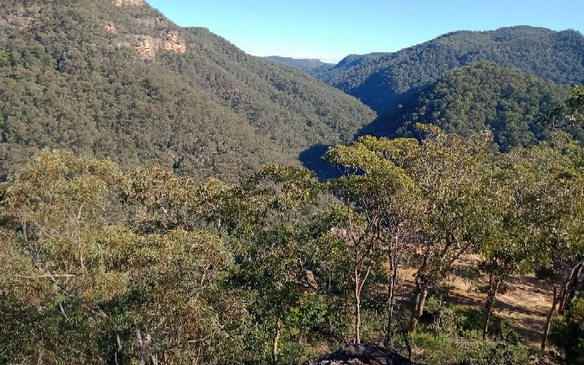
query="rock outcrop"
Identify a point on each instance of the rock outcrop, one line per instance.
(363, 354)
(172, 42)
(110, 27)
(129, 2)
(144, 45)
(148, 46)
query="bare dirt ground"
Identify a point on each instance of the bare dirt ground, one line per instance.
(525, 302)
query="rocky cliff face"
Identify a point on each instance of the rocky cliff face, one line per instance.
(148, 46)
(162, 35)
(129, 2)
(363, 354)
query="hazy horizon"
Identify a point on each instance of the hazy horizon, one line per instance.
(330, 30)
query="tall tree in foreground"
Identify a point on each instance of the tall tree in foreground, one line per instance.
(510, 244)
(56, 268)
(387, 200)
(265, 216)
(559, 215)
(91, 290)
(563, 201)
(427, 194)
(452, 174)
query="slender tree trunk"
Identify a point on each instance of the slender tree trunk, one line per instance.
(548, 321)
(388, 341)
(80, 250)
(143, 341)
(491, 297)
(569, 289)
(276, 341)
(404, 332)
(421, 295)
(357, 339)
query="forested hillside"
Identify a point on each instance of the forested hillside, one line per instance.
(153, 210)
(116, 79)
(384, 80)
(514, 105)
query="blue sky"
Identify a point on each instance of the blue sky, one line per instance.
(330, 30)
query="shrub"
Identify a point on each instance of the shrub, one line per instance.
(471, 320)
(432, 348)
(568, 333)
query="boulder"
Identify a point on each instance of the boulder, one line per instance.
(362, 354)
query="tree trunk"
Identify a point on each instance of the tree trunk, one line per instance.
(421, 295)
(404, 332)
(143, 341)
(357, 339)
(276, 341)
(569, 290)
(491, 297)
(388, 341)
(548, 321)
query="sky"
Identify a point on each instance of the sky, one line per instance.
(330, 30)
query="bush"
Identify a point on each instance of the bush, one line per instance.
(432, 348)
(544, 272)
(568, 333)
(456, 338)
(471, 320)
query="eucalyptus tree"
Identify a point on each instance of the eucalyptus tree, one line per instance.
(95, 288)
(569, 116)
(54, 263)
(426, 195)
(264, 216)
(562, 202)
(382, 203)
(452, 174)
(510, 244)
(558, 214)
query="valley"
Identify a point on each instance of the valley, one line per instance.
(167, 198)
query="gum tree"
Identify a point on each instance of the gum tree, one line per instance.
(385, 202)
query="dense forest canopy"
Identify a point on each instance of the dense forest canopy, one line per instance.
(306, 65)
(106, 267)
(383, 80)
(124, 82)
(153, 211)
(512, 104)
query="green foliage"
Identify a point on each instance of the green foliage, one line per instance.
(442, 349)
(385, 80)
(456, 339)
(310, 313)
(570, 115)
(506, 81)
(110, 254)
(512, 104)
(568, 333)
(98, 265)
(471, 320)
(4, 60)
(69, 83)
(91, 290)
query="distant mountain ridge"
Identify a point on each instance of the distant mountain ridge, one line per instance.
(306, 65)
(116, 79)
(384, 80)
